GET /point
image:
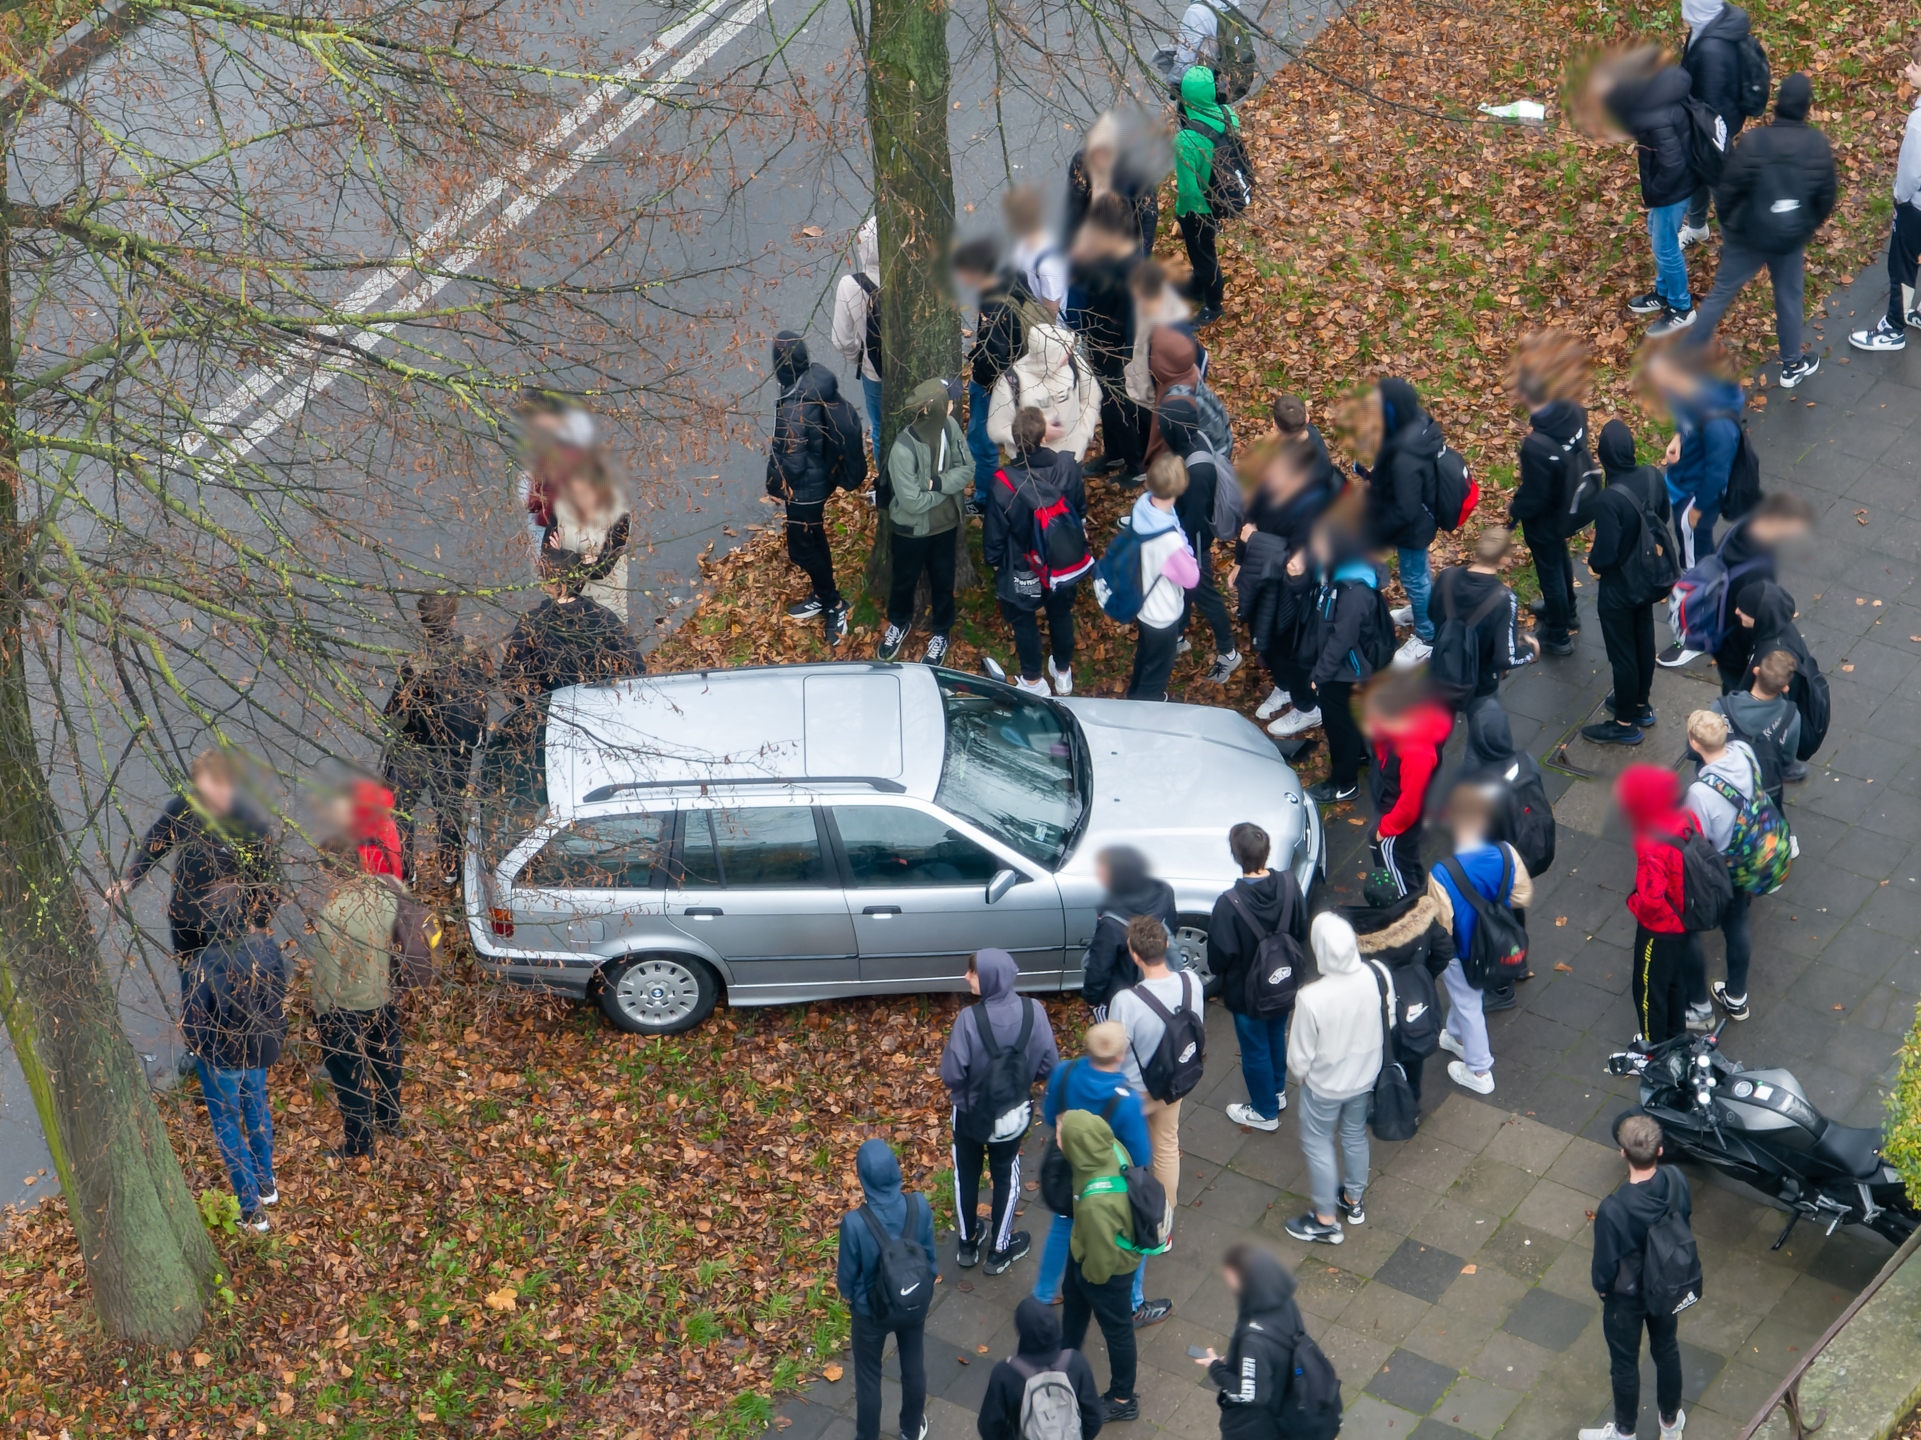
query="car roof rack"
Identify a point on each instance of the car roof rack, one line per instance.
(608, 792)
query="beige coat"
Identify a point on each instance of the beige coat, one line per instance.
(1052, 377)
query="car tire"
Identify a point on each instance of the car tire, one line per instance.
(659, 994)
(1190, 940)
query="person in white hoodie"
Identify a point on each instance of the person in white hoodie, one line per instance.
(1733, 763)
(854, 339)
(1168, 571)
(1904, 241)
(1055, 380)
(1334, 1056)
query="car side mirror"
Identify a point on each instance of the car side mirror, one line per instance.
(1003, 881)
(993, 669)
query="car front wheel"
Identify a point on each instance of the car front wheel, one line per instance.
(1190, 943)
(658, 994)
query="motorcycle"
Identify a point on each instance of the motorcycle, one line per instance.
(1757, 1126)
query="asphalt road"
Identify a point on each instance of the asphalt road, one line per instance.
(736, 263)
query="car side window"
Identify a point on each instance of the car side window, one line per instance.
(614, 852)
(893, 845)
(758, 848)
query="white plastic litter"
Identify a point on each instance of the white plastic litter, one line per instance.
(1517, 110)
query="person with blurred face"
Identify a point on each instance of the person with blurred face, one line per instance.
(1706, 408)
(1550, 378)
(1646, 95)
(1904, 237)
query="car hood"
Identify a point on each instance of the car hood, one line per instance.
(1171, 780)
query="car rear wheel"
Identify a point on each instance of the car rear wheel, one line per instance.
(657, 994)
(1190, 943)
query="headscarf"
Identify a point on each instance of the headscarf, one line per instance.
(1172, 359)
(1199, 101)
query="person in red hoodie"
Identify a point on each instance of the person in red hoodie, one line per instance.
(1650, 801)
(1405, 729)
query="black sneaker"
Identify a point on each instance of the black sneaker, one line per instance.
(1326, 792)
(1612, 732)
(1672, 322)
(890, 643)
(1557, 647)
(1309, 1227)
(967, 1256)
(1209, 314)
(1793, 374)
(1353, 1212)
(1498, 997)
(1152, 1312)
(936, 650)
(1675, 656)
(1537, 607)
(1119, 1409)
(1648, 304)
(836, 623)
(1737, 1009)
(974, 506)
(1001, 1261)
(1106, 465)
(806, 609)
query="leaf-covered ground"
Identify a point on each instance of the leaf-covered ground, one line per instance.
(605, 1237)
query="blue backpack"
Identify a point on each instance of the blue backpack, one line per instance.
(1699, 603)
(1117, 578)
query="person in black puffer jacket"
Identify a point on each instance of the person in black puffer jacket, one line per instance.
(1024, 483)
(1627, 619)
(1551, 377)
(1101, 311)
(1648, 98)
(1409, 932)
(1400, 486)
(1713, 62)
(1130, 891)
(1273, 899)
(1253, 1376)
(1778, 189)
(798, 476)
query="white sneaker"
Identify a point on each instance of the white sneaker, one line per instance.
(1883, 337)
(1676, 656)
(1673, 1432)
(272, 1197)
(1453, 1046)
(1603, 1432)
(260, 1223)
(1246, 1115)
(1063, 679)
(1032, 687)
(1185, 646)
(1277, 700)
(1482, 1084)
(1402, 616)
(1412, 653)
(1280, 1102)
(1295, 722)
(1693, 235)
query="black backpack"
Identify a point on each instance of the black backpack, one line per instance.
(1175, 1066)
(1707, 141)
(1417, 1006)
(1274, 971)
(1706, 887)
(1008, 1087)
(1810, 695)
(1651, 567)
(1454, 669)
(1581, 484)
(1057, 1171)
(1394, 1113)
(1497, 955)
(843, 446)
(1744, 477)
(871, 345)
(905, 1287)
(1528, 819)
(1236, 65)
(1310, 1407)
(1671, 1264)
(1230, 181)
(1454, 494)
(1757, 80)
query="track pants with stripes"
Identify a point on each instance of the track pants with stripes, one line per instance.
(1002, 1159)
(1658, 984)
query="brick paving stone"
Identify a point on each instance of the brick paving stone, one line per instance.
(1411, 1381)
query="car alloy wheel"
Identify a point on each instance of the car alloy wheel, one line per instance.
(1190, 943)
(658, 994)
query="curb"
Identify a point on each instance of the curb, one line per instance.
(71, 52)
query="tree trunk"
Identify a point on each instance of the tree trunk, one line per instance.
(907, 84)
(148, 1258)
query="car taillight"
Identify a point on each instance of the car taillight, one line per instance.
(503, 921)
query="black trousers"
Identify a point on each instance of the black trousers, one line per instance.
(1629, 637)
(1621, 1323)
(1002, 1160)
(1904, 255)
(1413, 1065)
(1400, 856)
(1111, 1305)
(1556, 575)
(1207, 595)
(415, 772)
(1202, 234)
(1123, 425)
(869, 1340)
(1658, 984)
(1346, 749)
(361, 1049)
(807, 548)
(1154, 648)
(1058, 605)
(934, 554)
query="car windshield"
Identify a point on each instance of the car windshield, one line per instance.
(1010, 767)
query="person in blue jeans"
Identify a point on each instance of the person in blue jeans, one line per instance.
(236, 1022)
(1706, 404)
(1093, 1083)
(1646, 96)
(1406, 442)
(1261, 903)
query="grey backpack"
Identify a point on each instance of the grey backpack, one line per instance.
(1049, 1408)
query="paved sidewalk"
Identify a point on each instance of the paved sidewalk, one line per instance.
(1462, 1307)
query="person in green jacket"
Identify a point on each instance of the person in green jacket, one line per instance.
(1203, 119)
(351, 952)
(1100, 1273)
(927, 470)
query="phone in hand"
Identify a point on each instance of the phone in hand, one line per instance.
(1196, 1352)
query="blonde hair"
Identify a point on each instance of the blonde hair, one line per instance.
(1106, 1040)
(1167, 477)
(1708, 730)
(1491, 545)
(214, 764)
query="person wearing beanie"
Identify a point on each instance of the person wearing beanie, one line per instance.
(1650, 801)
(927, 472)
(1102, 1257)
(1633, 497)
(1777, 189)
(1890, 332)
(1334, 1054)
(1039, 1351)
(910, 1217)
(800, 476)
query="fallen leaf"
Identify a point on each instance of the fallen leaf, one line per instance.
(201, 1359)
(832, 1373)
(1848, 666)
(1560, 919)
(980, 1349)
(1469, 1269)
(1352, 821)
(1860, 517)
(963, 1360)
(502, 1299)
(812, 232)
(1840, 1007)
(1564, 967)
(705, 1225)
(1588, 1213)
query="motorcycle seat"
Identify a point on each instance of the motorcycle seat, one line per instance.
(1855, 1153)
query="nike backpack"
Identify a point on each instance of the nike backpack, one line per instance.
(905, 1286)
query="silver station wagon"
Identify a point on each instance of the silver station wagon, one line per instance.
(807, 832)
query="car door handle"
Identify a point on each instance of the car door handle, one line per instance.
(881, 910)
(702, 912)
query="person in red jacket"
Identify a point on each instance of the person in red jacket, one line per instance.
(1650, 801)
(1405, 730)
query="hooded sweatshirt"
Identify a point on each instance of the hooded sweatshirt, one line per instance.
(1007, 308)
(1713, 57)
(851, 299)
(1334, 1042)
(1168, 566)
(1088, 1144)
(1750, 581)
(1617, 513)
(1709, 425)
(1253, 1376)
(1051, 376)
(1621, 1224)
(1737, 768)
(1650, 797)
(1469, 593)
(236, 1011)
(1080, 1085)
(880, 1181)
(1204, 120)
(963, 1064)
(927, 480)
(1514, 777)
(1907, 167)
(1172, 359)
(1779, 183)
(1107, 966)
(1038, 1330)
(1231, 943)
(1345, 631)
(1771, 728)
(1553, 454)
(1398, 485)
(1654, 112)
(1407, 761)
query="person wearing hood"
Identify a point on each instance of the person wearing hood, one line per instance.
(1349, 636)
(1712, 59)
(800, 476)
(1100, 311)
(1405, 733)
(1168, 571)
(1748, 549)
(1334, 1053)
(1051, 376)
(1728, 778)
(566, 639)
(1039, 1352)
(927, 472)
(910, 1217)
(1106, 165)
(1127, 890)
(1034, 480)
(1406, 443)
(1650, 801)
(1204, 122)
(1102, 1258)
(1513, 779)
(1647, 97)
(1550, 378)
(1006, 312)
(856, 325)
(1890, 332)
(1407, 935)
(1261, 903)
(1621, 1223)
(983, 1136)
(1631, 497)
(1706, 408)
(1173, 358)
(1491, 611)
(1777, 189)
(436, 716)
(1498, 876)
(1179, 424)
(1254, 1375)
